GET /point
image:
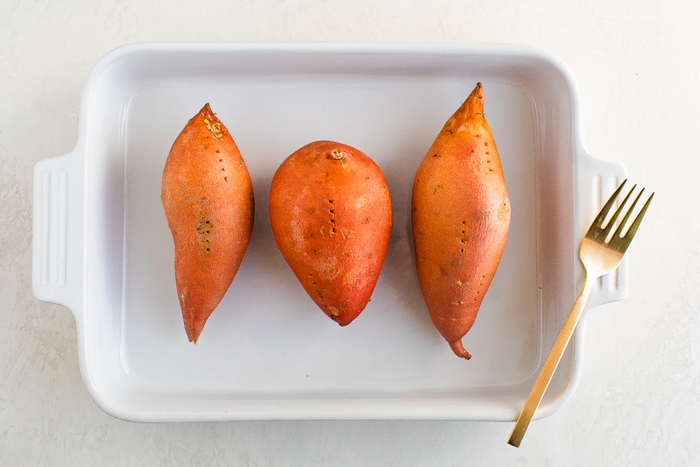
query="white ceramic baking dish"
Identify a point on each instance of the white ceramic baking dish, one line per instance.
(102, 247)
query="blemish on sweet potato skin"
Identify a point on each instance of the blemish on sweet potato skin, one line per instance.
(330, 214)
(207, 197)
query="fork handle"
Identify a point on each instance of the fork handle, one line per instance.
(550, 365)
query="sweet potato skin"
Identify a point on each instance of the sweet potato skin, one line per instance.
(460, 220)
(330, 214)
(207, 196)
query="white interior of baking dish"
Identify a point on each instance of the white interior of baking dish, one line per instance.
(267, 351)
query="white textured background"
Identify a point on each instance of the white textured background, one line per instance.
(637, 64)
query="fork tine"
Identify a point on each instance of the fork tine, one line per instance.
(613, 219)
(598, 222)
(623, 222)
(637, 220)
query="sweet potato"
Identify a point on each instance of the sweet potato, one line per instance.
(208, 200)
(330, 213)
(460, 220)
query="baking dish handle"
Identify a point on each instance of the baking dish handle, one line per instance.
(57, 243)
(597, 179)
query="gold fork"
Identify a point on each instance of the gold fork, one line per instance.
(601, 253)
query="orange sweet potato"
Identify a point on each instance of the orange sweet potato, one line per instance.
(330, 213)
(208, 200)
(460, 220)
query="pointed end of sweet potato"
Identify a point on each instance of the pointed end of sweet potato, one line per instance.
(193, 330)
(474, 105)
(459, 350)
(471, 110)
(206, 110)
(343, 320)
